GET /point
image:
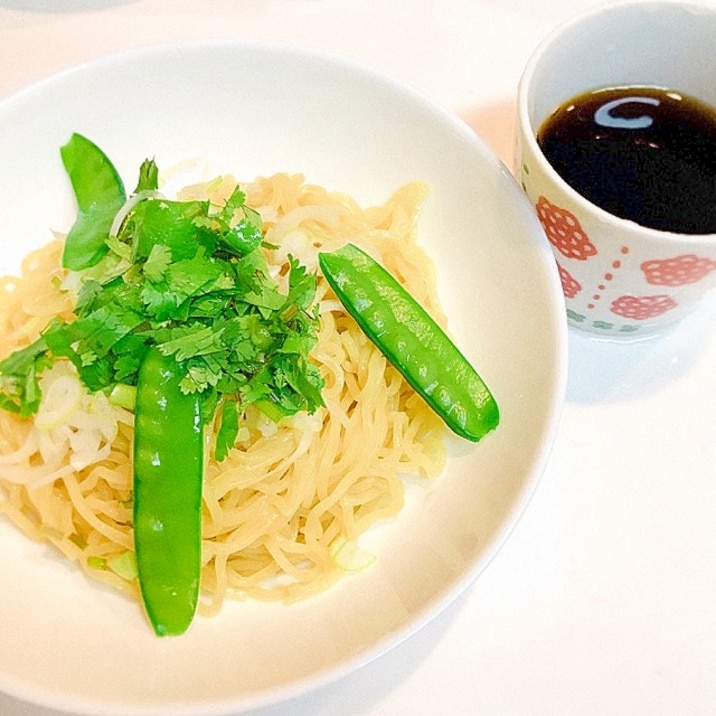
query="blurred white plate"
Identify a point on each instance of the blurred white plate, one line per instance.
(252, 109)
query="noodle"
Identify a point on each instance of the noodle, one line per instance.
(283, 512)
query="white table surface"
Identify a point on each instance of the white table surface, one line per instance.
(603, 600)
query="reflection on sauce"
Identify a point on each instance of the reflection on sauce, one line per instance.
(642, 153)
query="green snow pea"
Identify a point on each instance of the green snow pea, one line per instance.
(412, 341)
(168, 468)
(100, 195)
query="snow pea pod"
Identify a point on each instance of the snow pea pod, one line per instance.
(412, 341)
(168, 467)
(100, 195)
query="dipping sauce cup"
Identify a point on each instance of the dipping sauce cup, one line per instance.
(621, 277)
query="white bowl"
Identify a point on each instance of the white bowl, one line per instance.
(253, 109)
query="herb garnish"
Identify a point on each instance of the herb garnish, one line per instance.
(192, 279)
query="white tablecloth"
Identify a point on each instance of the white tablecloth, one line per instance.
(603, 600)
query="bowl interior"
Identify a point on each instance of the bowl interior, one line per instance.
(252, 109)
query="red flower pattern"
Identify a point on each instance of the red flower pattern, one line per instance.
(678, 270)
(564, 231)
(641, 308)
(570, 285)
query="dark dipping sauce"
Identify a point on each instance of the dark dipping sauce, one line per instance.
(641, 153)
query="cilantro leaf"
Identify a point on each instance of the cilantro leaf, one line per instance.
(171, 224)
(157, 262)
(19, 388)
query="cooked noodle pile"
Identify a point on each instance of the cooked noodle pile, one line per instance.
(282, 514)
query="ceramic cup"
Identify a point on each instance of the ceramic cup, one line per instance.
(619, 278)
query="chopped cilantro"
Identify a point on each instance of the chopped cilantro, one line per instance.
(192, 279)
